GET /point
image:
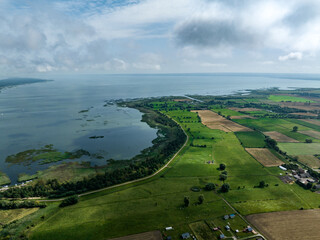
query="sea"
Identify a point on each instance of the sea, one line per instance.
(65, 112)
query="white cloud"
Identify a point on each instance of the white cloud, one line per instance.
(291, 56)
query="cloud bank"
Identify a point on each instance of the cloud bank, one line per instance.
(155, 35)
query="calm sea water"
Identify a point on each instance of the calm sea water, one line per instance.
(32, 116)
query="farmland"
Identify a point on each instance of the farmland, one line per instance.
(287, 98)
(287, 225)
(158, 202)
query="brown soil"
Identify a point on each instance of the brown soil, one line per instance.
(264, 156)
(289, 225)
(154, 235)
(311, 133)
(279, 137)
(215, 121)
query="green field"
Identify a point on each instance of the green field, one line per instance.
(251, 139)
(158, 203)
(285, 98)
(4, 179)
(283, 126)
(300, 148)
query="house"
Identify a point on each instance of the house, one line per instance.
(226, 217)
(185, 235)
(317, 186)
(215, 229)
(249, 229)
(169, 228)
(232, 215)
(227, 227)
(222, 236)
(169, 238)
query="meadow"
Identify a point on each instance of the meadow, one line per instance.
(286, 98)
(158, 202)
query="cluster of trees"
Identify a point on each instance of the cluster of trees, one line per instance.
(21, 204)
(200, 146)
(186, 200)
(69, 201)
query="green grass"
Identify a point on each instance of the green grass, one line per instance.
(227, 112)
(4, 179)
(300, 148)
(251, 139)
(158, 202)
(285, 98)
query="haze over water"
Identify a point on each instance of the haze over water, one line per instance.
(34, 115)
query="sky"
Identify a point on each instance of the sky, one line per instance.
(43, 37)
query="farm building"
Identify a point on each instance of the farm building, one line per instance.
(232, 215)
(169, 228)
(226, 217)
(227, 227)
(283, 168)
(185, 235)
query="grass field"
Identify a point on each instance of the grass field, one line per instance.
(227, 112)
(153, 235)
(292, 225)
(286, 98)
(309, 160)
(4, 179)
(8, 216)
(158, 202)
(251, 139)
(300, 148)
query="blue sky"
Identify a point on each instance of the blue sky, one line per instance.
(158, 36)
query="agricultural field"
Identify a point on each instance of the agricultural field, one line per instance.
(309, 160)
(251, 139)
(215, 121)
(311, 133)
(264, 156)
(8, 216)
(227, 112)
(312, 121)
(287, 98)
(154, 235)
(279, 137)
(292, 225)
(295, 149)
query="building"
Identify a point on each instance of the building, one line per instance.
(226, 217)
(185, 235)
(232, 215)
(169, 228)
(227, 227)
(283, 168)
(169, 238)
(222, 236)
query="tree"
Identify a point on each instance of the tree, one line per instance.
(186, 201)
(69, 201)
(229, 117)
(210, 186)
(222, 166)
(295, 129)
(223, 177)
(308, 140)
(201, 199)
(262, 184)
(225, 187)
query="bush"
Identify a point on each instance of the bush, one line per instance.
(210, 186)
(225, 187)
(69, 201)
(222, 166)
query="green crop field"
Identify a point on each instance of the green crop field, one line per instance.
(283, 126)
(285, 98)
(251, 139)
(158, 202)
(300, 148)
